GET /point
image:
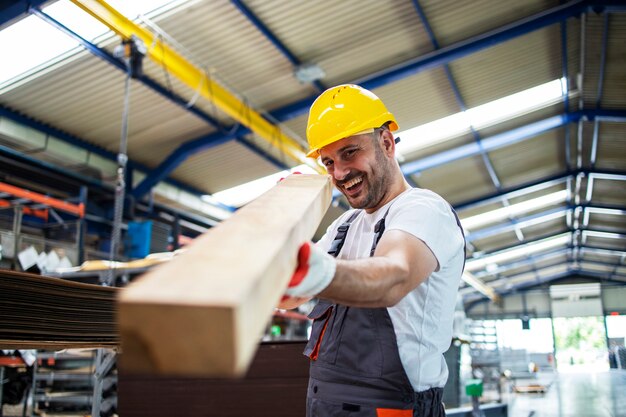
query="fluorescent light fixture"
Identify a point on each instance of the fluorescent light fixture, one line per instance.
(244, 193)
(481, 116)
(494, 216)
(517, 252)
(31, 44)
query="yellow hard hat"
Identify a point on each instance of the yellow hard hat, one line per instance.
(342, 111)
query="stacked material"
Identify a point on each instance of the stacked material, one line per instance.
(38, 312)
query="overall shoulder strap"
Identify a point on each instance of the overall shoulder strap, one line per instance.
(342, 232)
(379, 229)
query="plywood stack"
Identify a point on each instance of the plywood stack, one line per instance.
(39, 312)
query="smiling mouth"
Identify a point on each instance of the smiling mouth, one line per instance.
(352, 183)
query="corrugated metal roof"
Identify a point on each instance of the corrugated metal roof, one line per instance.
(454, 21)
(223, 167)
(611, 146)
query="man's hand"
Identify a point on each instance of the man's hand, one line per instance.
(289, 303)
(315, 271)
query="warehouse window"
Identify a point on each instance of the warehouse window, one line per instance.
(32, 46)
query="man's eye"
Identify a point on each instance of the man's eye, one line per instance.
(327, 163)
(349, 153)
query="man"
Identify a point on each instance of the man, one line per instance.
(386, 273)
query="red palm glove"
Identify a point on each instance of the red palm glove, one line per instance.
(315, 271)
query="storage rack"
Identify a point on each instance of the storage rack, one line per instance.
(69, 382)
(43, 208)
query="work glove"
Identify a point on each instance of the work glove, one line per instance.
(315, 271)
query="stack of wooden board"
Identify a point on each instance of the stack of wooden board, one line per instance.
(38, 312)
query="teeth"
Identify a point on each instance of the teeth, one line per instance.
(353, 182)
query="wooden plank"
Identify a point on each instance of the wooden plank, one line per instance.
(203, 313)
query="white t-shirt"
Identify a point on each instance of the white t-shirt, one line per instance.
(422, 320)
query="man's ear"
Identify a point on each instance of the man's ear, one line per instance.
(388, 143)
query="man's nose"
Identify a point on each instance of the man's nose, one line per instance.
(340, 171)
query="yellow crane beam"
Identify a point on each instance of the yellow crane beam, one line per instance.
(196, 78)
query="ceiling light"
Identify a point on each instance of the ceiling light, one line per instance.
(494, 216)
(308, 73)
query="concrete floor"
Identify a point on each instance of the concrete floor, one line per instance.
(581, 393)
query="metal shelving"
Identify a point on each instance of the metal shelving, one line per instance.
(75, 383)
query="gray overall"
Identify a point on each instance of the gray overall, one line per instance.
(355, 365)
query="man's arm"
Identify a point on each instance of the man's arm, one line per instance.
(401, 262)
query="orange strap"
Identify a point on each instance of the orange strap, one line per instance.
(316, 349)
(391, 412)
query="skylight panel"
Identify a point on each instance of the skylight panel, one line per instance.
(32, 44)
(479, 117)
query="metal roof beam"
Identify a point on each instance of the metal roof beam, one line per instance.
(488, 144)
(596, 124)
(565, 76)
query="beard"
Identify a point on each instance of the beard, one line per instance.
(376, 183)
